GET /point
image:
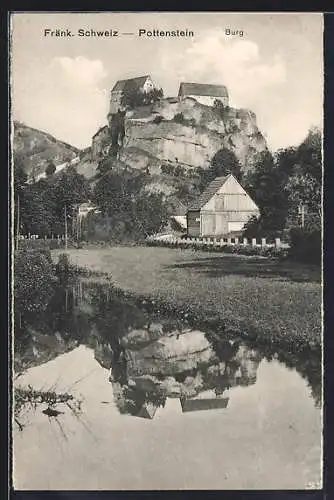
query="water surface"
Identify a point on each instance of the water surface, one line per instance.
(163, 405)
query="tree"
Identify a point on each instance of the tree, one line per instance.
(20, 179)
(20, 176)
(304, 185)
(70, 190)
(38, 209)
(286, 183)
(132, 212)
(264, 185)
(116, 132)
(50, 169)
(132, 96)
(225, 162)
(105, 165)
(219, 107)
(34, 281)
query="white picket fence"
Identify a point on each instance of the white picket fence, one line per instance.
(218, 242)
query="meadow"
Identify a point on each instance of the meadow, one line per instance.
(272, 299)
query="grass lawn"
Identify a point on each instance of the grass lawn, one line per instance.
(278, 300)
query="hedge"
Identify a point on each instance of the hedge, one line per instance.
(238, 249)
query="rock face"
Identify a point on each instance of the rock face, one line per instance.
(189, 134)
(194, 139)
(36, 148)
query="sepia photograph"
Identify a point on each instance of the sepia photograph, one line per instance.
(166, 224)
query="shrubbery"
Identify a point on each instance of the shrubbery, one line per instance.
(305, 245)
(34, 280)
(179, 118)
(48, 244)
(247, 250)
(157, 119)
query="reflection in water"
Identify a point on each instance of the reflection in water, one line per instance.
(150, 358)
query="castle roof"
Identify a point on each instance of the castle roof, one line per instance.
(100, 130)
(130, 83)
(208, 192)
(203, 89)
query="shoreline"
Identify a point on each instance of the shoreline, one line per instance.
(216, 300)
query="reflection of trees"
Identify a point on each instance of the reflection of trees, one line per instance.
(306, 360)
(131, 400)
(114, 317)
(99, 317)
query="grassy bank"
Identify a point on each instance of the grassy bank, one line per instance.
(275, 300)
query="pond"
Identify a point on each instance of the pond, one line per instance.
(109, 396)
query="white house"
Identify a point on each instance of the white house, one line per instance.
(204, 93)
(224, 207)
(85, 208)
(143, 84)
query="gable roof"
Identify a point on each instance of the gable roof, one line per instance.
(100, 130)
(203, 89)
(208, 192)
(130, 83)
(198, 404)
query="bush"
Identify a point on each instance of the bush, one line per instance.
(34, 280)
(65, 270)
(179, 118)
(238, 249)
(305, 245)
(49, 244)
(157, 119)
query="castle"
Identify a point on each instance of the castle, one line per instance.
(206, 94)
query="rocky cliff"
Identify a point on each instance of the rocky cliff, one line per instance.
(35, 149)
(189, 134)
(171, 139)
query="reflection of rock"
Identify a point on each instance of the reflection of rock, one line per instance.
(249, 362)
(172, 354)
(103, 354)
(40, 349)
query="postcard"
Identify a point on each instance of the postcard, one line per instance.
(167, 181)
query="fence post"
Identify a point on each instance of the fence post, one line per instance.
(277, 242)
(253, 242)
(263, 242)
(236, 240)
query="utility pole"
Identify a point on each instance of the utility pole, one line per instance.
(78, 227)
(18, 222)
(303, 215)
(65, 227)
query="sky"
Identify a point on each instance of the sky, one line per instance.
(62, 85)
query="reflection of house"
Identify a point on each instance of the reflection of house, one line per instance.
(203, 403)
(100, 142)
(204, 93)
(142, 84)
(147, 411)
(223, 207)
